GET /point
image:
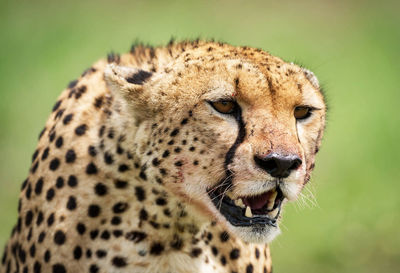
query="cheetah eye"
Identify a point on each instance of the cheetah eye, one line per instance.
(224, 106)
(302, 112)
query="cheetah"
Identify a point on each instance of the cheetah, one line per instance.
(168, 159)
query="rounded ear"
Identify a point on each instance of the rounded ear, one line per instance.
(128, 83)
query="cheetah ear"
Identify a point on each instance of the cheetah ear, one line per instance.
(130, 84)
(311, 77)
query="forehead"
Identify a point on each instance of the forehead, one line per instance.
(251, 76)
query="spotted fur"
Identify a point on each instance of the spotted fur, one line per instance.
(119, 179)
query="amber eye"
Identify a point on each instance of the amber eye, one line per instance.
(302, 112)
(224, 106)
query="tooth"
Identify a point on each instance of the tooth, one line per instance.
(239, 202)
(273, 213)
(271, 200)
(248, 212)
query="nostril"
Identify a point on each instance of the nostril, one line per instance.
(296, 164)
(278, 165)
(268, 165)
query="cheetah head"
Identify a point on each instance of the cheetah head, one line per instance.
(234, 136)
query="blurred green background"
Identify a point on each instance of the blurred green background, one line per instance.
(352, 224)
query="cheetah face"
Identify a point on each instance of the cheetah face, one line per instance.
(235, 139)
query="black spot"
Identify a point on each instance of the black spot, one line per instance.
(52, 136)
(59, 268)
(184, 121)
(77, 252)
(50, 194)
(119, 261)
(156, 248)
(94, 268)
(214, 250)
(249, 268)
(28, 218)
(105, 235)
(39, 218)
(94, 233)
(177, 150)
(195, 252)
(54, 164)
(39, 186)
(59, 237)
(42, 132)
(80, 228)
(123, 168)
(257, 252)
(101, 253)
(223, 260)
(70, 156)
(178, 163)
(116, 220)
(120, 207)
(176, 243)
(81, 129)
(59, 142)
(45, 153)
(88, 253)
(72, 181)
(143, 215)
(21, 254)
(119, 184)
(67, 119)
(94, 210)
(32, 250)
(174, 132)
(165, 154)
(47, 256)
(143, 175)
(28, 191)
(35, 154)
(91, 168)
(50, 220)
(139, 78)
(34, 167)
(140, 193)
(155, 162)
(192, 149)
(235, 253)
(161, 201)
(59, 182)
(108, 159)
(117, 233)
(41, 236)
(57, 105)
(100, 189)
(72, 84)
(92, 150)
(98, 102)
(224, 236)
(136, 236)
(71, 204)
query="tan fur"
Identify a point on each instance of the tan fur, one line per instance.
(129, 126)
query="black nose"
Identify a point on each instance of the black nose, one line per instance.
(278, 165)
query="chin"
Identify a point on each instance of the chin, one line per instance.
(257, 234)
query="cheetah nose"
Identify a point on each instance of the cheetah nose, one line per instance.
(278, 165)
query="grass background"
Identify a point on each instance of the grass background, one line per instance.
(352, 224)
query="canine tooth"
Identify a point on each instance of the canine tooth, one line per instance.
(239, 202)
(271, 200)
(248, 212)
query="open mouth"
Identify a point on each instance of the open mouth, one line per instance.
(263, 209)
